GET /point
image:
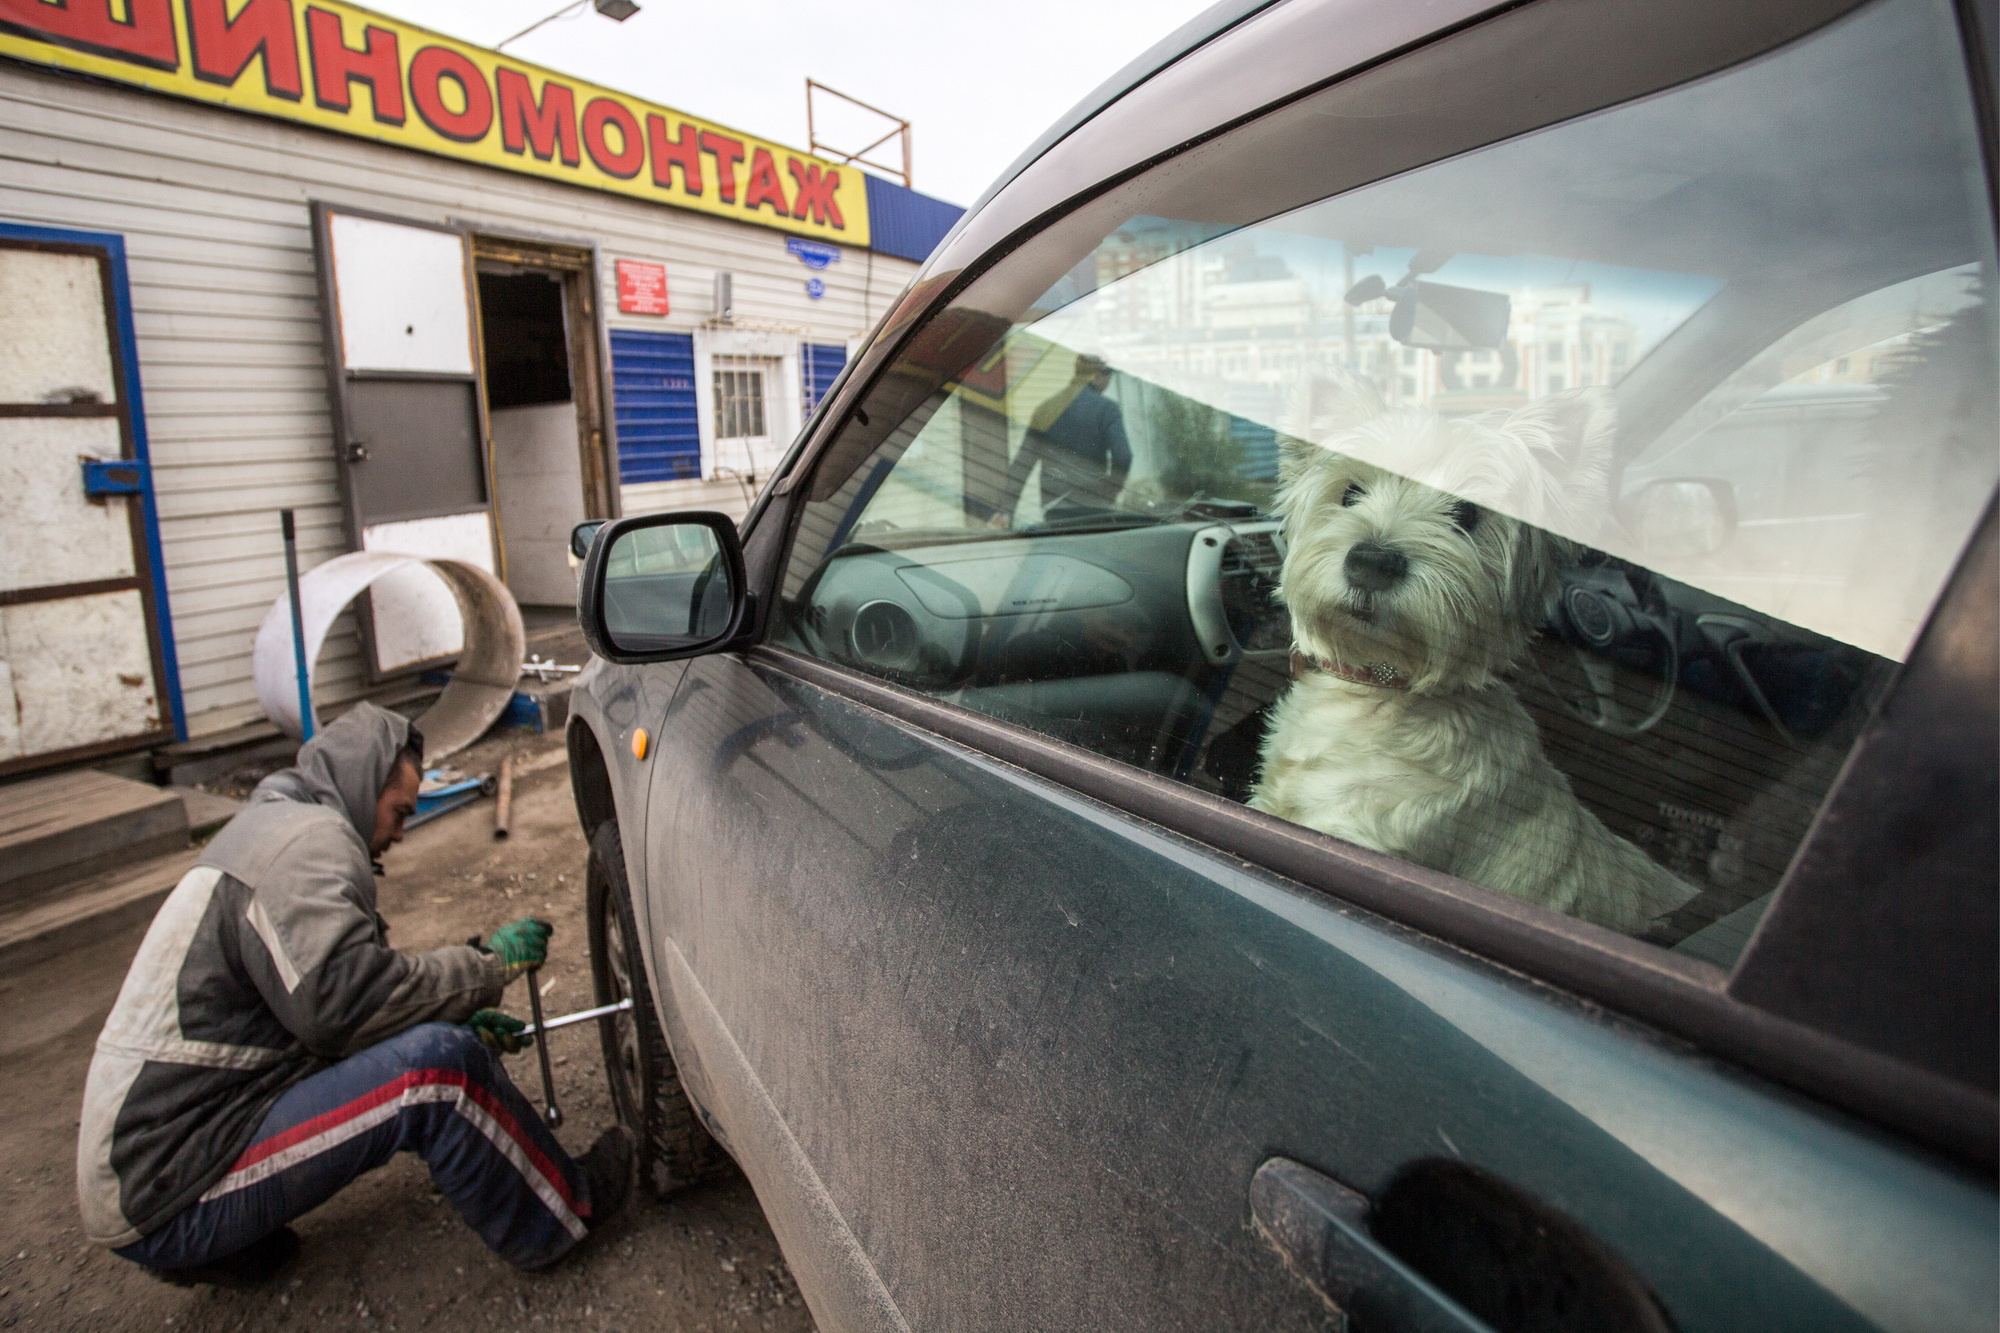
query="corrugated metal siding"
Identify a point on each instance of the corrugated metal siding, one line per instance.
(903, 222)
(213, 206)
(820, 365)
(652, 380)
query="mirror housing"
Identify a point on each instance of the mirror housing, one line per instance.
(661, 587)
(1682, 518)
(583, 534)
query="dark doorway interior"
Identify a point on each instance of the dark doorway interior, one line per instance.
(538, 484)
(526, 337)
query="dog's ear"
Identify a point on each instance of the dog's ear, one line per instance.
(1571, 435)
(1320, 407)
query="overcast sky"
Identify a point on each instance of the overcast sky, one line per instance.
(978, 83)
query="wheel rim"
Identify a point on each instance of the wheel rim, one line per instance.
(624, 1026)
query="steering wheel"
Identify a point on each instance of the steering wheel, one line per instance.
(1601, 619)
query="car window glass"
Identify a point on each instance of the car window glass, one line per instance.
(1552, 515)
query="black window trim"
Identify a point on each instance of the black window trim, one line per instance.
(1680, 996)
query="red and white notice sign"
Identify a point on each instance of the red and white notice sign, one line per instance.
(642, 288)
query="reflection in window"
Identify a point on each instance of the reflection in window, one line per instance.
(739, 399)
(1553, 515)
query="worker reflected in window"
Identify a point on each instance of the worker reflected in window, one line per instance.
(1078, 436)
(269, 1047)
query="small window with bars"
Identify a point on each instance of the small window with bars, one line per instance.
(739, 399)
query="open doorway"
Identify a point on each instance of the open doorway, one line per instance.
(545, 421)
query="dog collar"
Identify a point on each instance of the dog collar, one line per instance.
(1379, 674)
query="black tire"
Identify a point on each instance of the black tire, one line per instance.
(675, 1150)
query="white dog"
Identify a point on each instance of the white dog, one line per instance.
(1408, 598)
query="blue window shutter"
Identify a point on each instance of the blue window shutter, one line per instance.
(904, 223)
(652, 394)
(822, 364)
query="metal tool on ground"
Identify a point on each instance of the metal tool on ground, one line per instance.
(580, 1016)
(446, 789)
(503, 801)
(547, 669)
(550, 1111)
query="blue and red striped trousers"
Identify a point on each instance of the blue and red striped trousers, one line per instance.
(434, 1090)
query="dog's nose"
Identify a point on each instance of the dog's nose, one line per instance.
(1373, 567)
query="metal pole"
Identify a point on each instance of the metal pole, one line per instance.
(298, 626)
(503, 808)
(576, 4)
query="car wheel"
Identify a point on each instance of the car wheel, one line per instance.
(675, 1151)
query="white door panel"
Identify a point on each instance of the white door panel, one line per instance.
(82, 671)
(53, 533)
(53, 344)
(403, 304)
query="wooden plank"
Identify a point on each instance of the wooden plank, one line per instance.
(57, 591)
(89, 911)
(69, 825)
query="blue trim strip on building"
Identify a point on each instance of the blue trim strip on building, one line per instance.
(149, 509)
(653, 404)
(904, 223)
(820, 365)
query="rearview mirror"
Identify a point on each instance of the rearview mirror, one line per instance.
(1437, 317)
(662, 586)
(1682, 518)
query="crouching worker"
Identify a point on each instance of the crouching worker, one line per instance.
(269, 1047)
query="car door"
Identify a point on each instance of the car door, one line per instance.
(1017, 1017)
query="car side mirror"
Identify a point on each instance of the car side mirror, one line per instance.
(660, 587)
(583, 534)
(1682, 518)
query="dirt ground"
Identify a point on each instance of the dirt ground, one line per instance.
(388, 1253)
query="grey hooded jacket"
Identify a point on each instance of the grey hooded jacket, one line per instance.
(267, 963)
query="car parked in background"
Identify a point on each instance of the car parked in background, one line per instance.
(917, 805)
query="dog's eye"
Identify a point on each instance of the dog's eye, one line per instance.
(1352, 496)
(1465, 514)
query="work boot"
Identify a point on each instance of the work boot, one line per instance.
(607, 1167)
(252, 1266)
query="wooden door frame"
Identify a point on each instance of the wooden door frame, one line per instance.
(578, 264)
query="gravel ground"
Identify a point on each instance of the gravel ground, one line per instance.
(388, 1253)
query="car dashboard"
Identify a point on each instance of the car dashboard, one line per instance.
(1087, 636)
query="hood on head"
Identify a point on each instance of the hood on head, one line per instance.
(346, 765)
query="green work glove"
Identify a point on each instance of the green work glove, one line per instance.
(500, 1032)
(521, 945)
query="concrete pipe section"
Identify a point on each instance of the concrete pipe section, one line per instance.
(489, 662)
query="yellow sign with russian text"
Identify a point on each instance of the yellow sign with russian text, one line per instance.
(344, 68)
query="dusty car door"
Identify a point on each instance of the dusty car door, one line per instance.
(1017, 1018)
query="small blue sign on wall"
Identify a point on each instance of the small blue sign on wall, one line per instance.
(815, 288)
(811, 253)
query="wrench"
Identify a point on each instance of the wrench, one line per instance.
(550, 1111)
(580, 1016)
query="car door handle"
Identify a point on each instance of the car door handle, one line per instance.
(1321, 1228)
